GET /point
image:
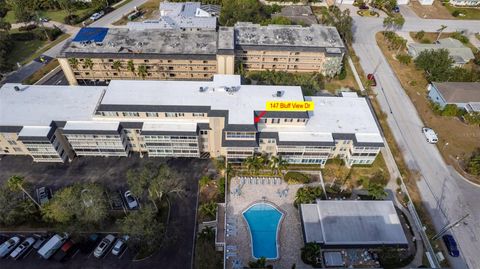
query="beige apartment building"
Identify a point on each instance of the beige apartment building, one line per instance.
(101, 54)
(198, 119)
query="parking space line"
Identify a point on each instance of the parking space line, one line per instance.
(121, 255)
(75, 254)
(26, 254)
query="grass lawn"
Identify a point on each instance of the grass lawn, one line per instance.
(149, 9)
(25, 51)
(54, 15)
(430, 37)
(460, 142)
(470, 13)
(349, 82)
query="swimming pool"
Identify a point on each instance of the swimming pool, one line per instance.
(264, 223)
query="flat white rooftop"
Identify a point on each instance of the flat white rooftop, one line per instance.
(38, 105)
(92, 125)
(240, 104)
(35, 131)
(355, 223)
(341, 115)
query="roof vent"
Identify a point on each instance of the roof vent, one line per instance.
(279, 94)
(203, 89)
(17, 89)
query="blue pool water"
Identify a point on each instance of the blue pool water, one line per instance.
(263, 221)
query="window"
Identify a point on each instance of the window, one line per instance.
(203, 132)
(110, 60)
(174, 115)
(301, 120)
(152, 114)
(275, 120)
(145, 61)
(130, 114)
(199, 114)
(288, 120)
(12, 142)
(240, 135)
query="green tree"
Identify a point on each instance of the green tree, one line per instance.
(88, 63)
(165, 184)
(473, 166)
(394, 23)
(277, 20)
(254, 163)
(16, 183)
(95, 207)
(142, 71)
(310, 253)
(67, 5)
(73, 62)
(143, 228)
(117, 65)
(204, 181)
(277, 164)
(234, 11)
(435, 63)
(5, 26)
(15, 210)
(22, 9)
(6, 45)
(260, 263)
(63, 206)
(376, 191)
(341, 20)
(131, 66)
(209, 209)
(420, 35)
(307, 195)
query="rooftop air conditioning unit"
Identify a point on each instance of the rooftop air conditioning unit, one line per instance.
(17, 89)
(279, 94)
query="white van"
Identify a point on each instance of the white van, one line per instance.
(52, 245)
(430, 135)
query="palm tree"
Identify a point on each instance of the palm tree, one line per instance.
(254, 163)
(117, 65)
(16, 183)
(376, 191)
(131, 66)
(73, 62)
(89, 63)
(142, 71)
(277, 163)
(311, 253)
(260, 263)
(209, 209)
(442, 27)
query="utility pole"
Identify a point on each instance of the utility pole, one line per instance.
(448, 227)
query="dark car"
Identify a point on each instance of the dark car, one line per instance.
(371, 78)
(66, 251)
(363, 7)
(90, 243)
(451, 245)
(396, 9)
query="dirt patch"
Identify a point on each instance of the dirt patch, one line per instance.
(435, 11)
(452, 144)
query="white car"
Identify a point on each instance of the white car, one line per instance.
(104, 246)
(119, 245)
(131, 200)
(96, 16)
(23, 247)
(430, 135)
(8, 246)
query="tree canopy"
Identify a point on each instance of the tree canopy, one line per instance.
(341, 20)
(143, 228)
(436, 64)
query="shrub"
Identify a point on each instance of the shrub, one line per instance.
(307, 195)
(460, 37)
(311, 253)
(404, 58)
(472, 118)
(425, 41)
(451, 110)
(27, 27)
(343, 73)
(456, 13)
(419, 35)
(473, 166)
(71, 19)
(204, 180)
(221, 189)
(297, 178)
(23, 36)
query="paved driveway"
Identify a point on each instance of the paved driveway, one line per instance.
(177, 253)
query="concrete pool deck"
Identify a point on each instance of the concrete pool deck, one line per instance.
(290, 237)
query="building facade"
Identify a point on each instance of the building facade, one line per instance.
(198, 119)
(101, 54)
(465, 95)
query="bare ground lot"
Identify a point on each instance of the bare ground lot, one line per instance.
(177, 252)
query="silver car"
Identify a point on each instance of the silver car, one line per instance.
(8, 246)
(23, 247)
(131, 200)
(104, 245)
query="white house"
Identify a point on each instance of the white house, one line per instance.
(465, 2)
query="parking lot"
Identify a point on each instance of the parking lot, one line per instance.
(111, 172)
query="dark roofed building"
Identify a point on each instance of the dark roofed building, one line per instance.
(465, 95)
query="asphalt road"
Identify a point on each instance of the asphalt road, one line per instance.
(30, 68)
(57, 79)
(446, 195)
